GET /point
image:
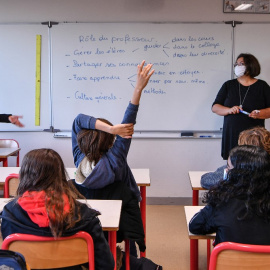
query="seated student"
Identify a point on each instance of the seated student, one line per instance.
(238, 208)
(102, 168)
(101, 159)
(43, 185)
(257, 136)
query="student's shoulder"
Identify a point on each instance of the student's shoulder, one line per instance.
(86, 210)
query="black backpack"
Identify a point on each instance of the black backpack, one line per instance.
(12, 260)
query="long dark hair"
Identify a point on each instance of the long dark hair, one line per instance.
(249, 179)
(43, 170)
(94, 143)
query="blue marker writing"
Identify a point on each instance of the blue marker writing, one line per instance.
(244, 112)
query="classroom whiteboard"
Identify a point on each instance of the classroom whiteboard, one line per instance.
(253, 38)
(94, 72)
(17, 74)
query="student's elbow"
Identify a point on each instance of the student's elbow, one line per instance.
(205, 183)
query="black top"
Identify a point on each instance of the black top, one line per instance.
(257, 97)
(224, 221)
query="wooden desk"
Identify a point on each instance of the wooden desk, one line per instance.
(7, 152)
(110, 216)
(142, 178)
(190, 211)
(195, 181)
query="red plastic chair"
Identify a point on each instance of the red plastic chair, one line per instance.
(8, 143)
(46, 252)
(11, 185)
(235, 256)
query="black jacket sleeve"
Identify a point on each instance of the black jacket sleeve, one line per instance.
(4, 118)
(203, 221)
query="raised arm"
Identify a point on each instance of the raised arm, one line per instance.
(14, 119)
(125, 130)
(143, 76)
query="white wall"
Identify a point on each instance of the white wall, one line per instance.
(169, 160)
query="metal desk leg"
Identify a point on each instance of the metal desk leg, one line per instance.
(127, 254)
(5, 162)
(194, 254)
(112, 244)
(143, 213)
(195, 197)
(208, 252)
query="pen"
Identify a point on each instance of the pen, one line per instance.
(244, 112)
(205, 136)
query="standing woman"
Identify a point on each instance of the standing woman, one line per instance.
(246, 93)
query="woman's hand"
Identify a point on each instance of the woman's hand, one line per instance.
(223, 111)
(123, 130)
(234, 110)
(255, 114)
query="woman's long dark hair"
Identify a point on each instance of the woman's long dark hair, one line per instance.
(43, 170)
(249, 180)
(94, 143)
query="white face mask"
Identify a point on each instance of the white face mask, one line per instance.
(239, 71)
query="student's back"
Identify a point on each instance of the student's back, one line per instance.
(43, 186)
(101, 160)
(238, 208)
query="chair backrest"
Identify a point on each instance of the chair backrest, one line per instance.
(46, 252)
(11, 185)
(235, 256)
(9, 143)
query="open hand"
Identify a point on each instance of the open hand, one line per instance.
(14, 119)
(123, 130)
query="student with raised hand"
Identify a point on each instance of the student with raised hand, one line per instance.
(102, 168)
(99, 157)
(238, 208)
(43, 186)
(257, 136)
(13, 119)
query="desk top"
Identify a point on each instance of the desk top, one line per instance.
(190, 211)
(6, 152)
(110, 211)
(142, 176)
(195, 179)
